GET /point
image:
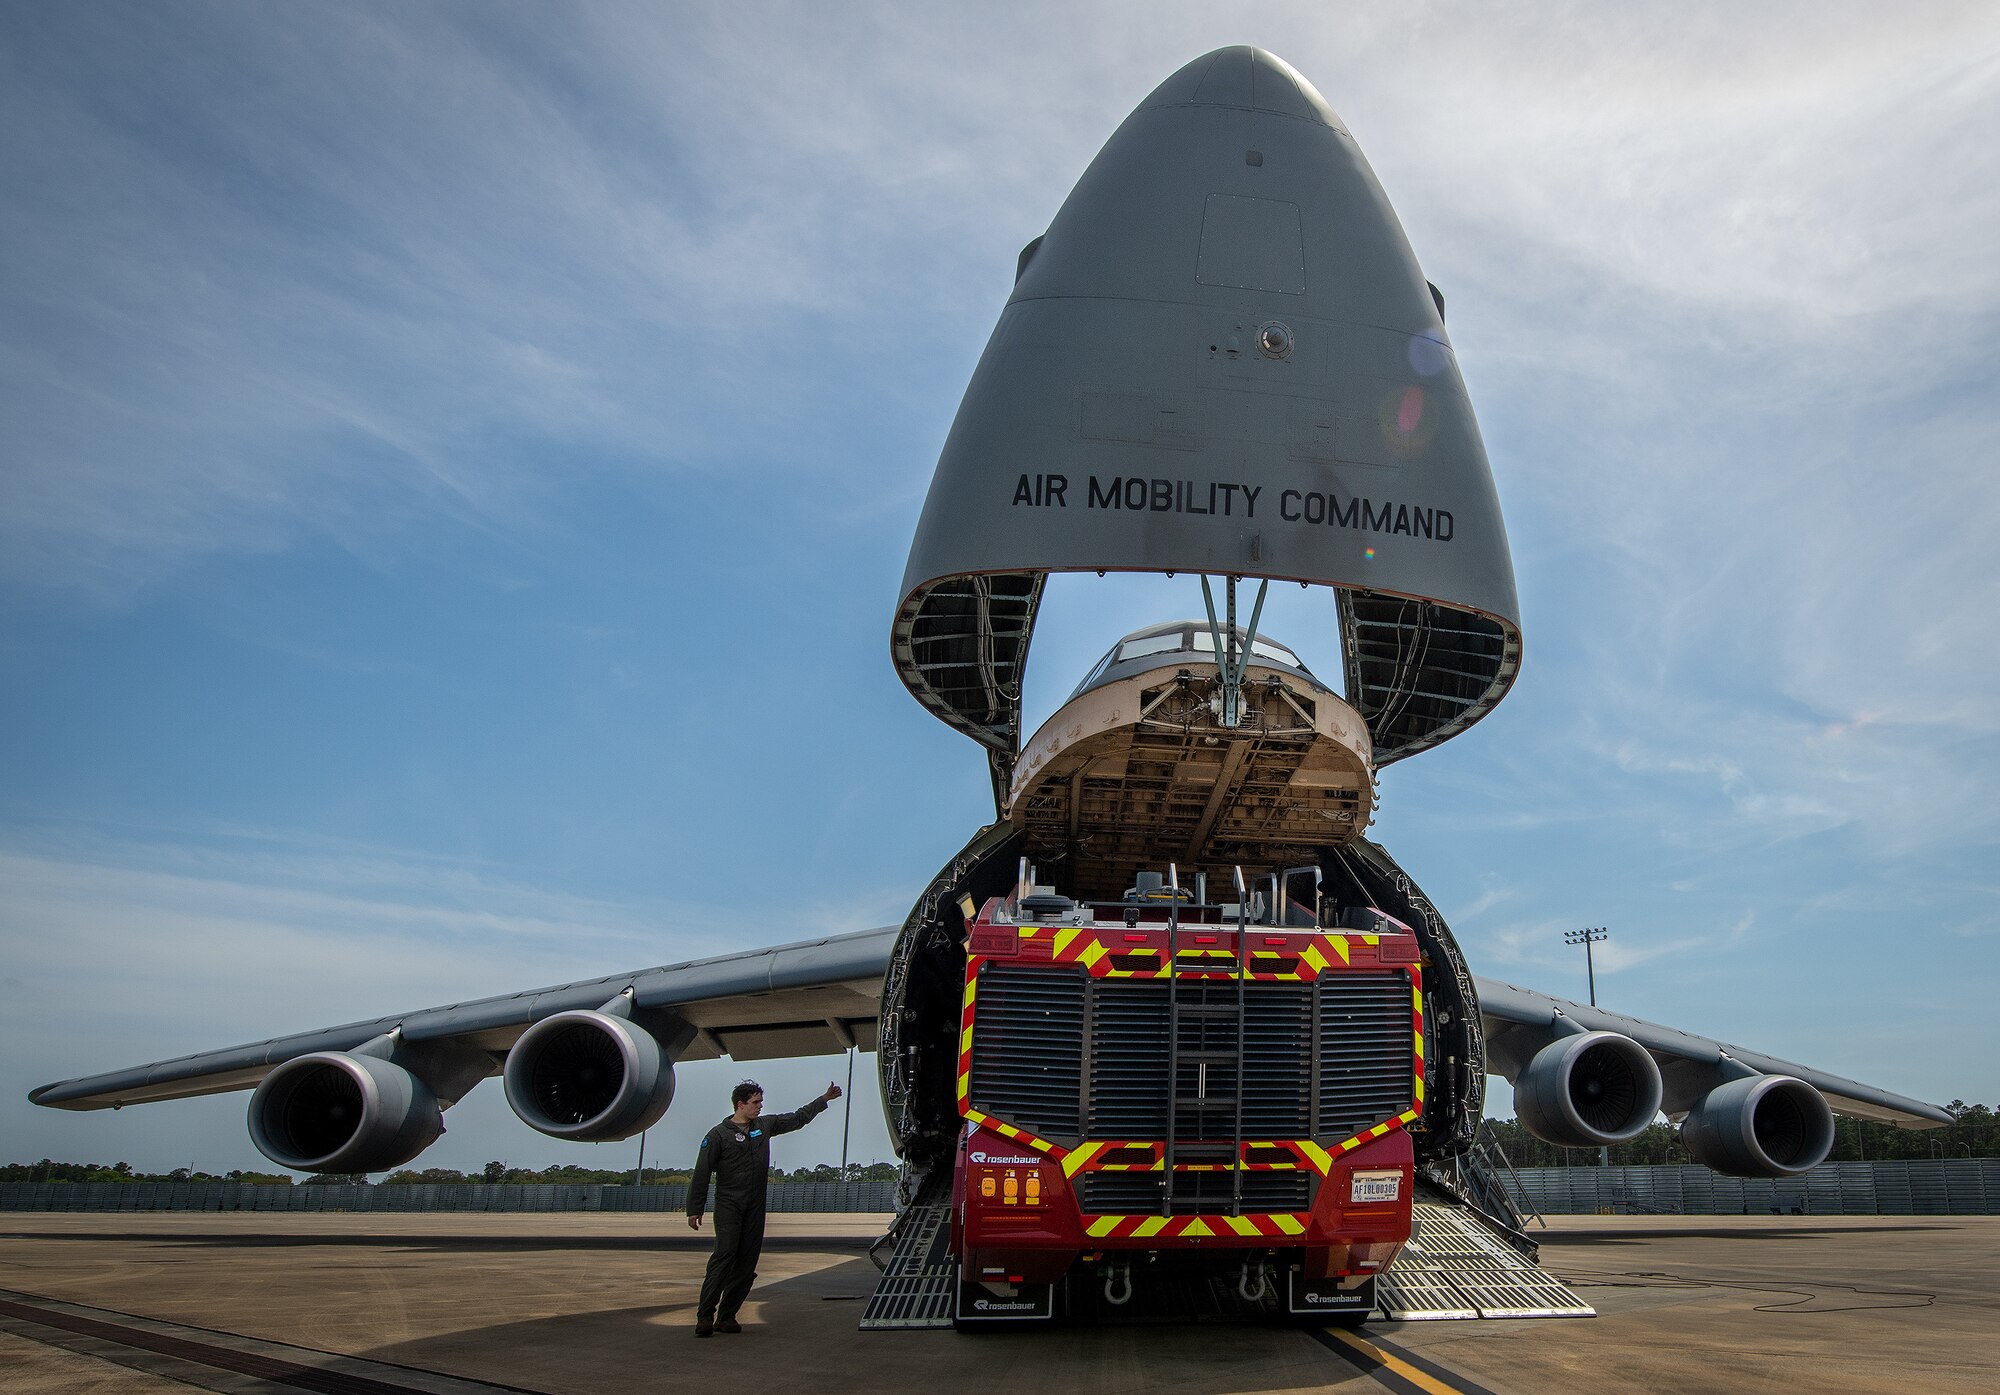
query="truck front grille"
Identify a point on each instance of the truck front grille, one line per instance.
(1027, 1048)
(1065, 1056)
(1128, 1060)
(1366, 1050)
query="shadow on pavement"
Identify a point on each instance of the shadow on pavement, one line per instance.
(805, 1331)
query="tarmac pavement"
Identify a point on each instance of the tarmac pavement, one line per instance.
(578, 1303)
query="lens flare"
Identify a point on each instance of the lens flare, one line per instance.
(1369, 553)
(1427, 356)
(1410, 414)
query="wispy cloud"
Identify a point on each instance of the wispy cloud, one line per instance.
(145, 949)
(382, 280)
(229, 910)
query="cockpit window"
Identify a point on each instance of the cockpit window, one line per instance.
(1098, 672)
(1152, 644)
(1182, 638)
(1261, 649)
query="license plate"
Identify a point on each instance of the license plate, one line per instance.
(1375, 1186)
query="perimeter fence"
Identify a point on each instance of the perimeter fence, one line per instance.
(1934, 1187)
(1966, 1187)
(469, 1196)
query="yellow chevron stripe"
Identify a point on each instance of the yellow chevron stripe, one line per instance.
(1027, 932)
(1311, 955)
(1151, 1226)
(1092, 952)
(1339, 943)
(1196, 1227)
(1103, 1226)
(1419, 1083)
(1064, 937)
(1316, 1155)
(1289, 1224)
(1243, 1225)
(1083, 1154)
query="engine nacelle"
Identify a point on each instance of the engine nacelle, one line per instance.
(589, 1077)
(1765, 1126)
(1588, 1090)
(335, 1112)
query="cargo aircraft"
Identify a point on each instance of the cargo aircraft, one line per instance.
(1220, 360)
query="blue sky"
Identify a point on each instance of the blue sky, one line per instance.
(456, 463)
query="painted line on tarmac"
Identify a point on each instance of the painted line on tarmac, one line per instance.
(1401, 1370)
(162, 1349)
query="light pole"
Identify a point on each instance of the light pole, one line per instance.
(846, 1117)
(1587, 938)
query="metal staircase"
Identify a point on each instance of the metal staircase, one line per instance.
(1485, 1178)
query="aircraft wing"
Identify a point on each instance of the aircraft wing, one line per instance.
(813, 997)
(820, 996)
(1519, 1021)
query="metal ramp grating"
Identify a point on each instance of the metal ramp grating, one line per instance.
(920, 1281)
(1455, 1267)
(1503, 1290)
(1409, 1293)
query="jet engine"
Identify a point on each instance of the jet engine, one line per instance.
(335, 1112)
(589, 1076)
(1588, 1090)
(1763, 1126)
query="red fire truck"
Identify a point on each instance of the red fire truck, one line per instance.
(1164, 1087)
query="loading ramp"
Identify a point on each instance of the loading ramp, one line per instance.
(919, 1284)
(1459, 1264)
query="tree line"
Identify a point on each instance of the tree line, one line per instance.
(500, 1174)
(494, 1173)
(50, 1171)
(1973, 1133)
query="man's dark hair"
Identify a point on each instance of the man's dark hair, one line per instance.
(747, 1090)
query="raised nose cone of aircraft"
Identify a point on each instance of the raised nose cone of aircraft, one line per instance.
(1221, 357)
(1235, 186)
(1248, 79)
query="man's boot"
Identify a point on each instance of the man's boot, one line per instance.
(728, 1324)
(703, 1327)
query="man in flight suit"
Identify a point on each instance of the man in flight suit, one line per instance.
(737, 1152)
